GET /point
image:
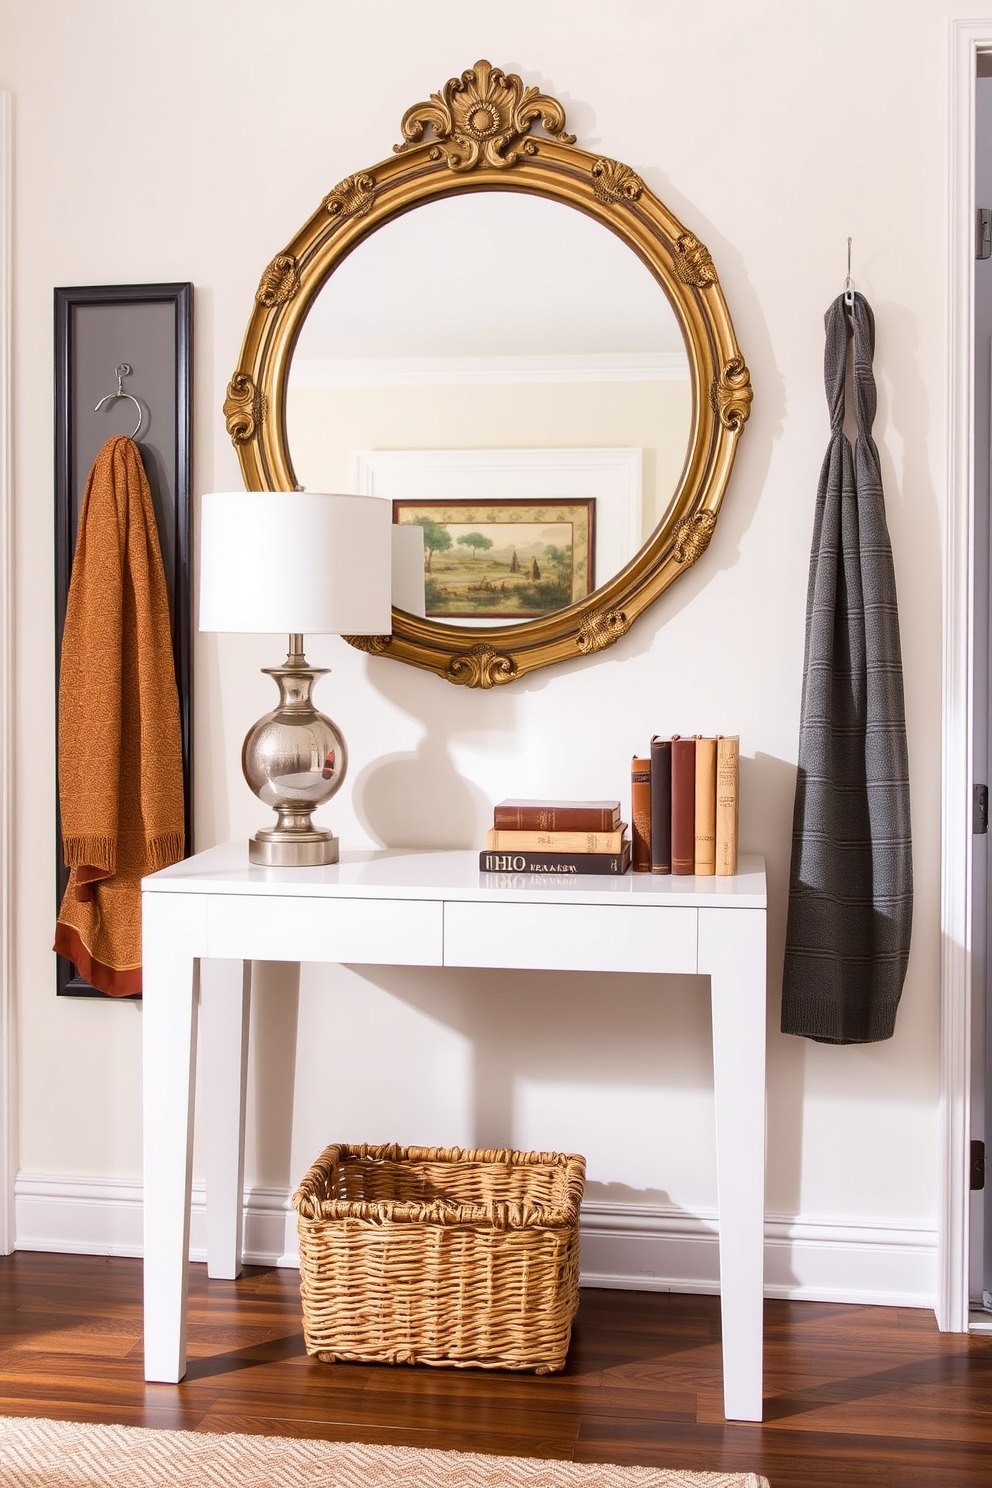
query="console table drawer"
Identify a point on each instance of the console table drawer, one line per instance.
(384, 932)
(570, 937)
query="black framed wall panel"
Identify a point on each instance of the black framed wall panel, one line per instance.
(149, 327)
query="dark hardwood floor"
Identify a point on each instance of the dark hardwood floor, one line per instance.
(853, 1395)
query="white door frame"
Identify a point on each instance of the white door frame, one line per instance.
(968, 38)
(7, 1066)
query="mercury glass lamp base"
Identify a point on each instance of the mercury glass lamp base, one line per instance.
(293, 849)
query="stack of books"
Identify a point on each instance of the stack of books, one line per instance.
(684, 804)
(556, 837)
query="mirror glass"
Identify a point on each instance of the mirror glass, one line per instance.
(511, 371)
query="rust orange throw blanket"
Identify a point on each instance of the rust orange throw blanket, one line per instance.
(120, 757)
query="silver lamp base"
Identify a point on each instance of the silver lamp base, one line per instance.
(294, 759)
(275, 849)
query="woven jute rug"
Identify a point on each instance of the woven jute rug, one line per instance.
(62, 1454)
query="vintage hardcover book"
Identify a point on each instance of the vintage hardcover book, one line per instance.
(499, 841)
(555, 863)
(640, 814)
(683, 805)
(727, 802)
(557, 816)
(705, 833)
(661, 805)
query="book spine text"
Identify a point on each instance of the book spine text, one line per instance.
(661, 805)
(640, 814)
(727, 803)
(551, 863)
(683, 805)
(498, 840)
(550, 817)
(704, 854)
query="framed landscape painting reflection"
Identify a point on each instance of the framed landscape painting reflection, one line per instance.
(503, 560)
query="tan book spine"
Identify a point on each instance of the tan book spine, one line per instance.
(728, 792)
(499, 840)
(640, 814)
(704, 856)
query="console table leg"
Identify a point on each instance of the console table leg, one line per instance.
(732, 951)
(169, 1017)
(225, 990)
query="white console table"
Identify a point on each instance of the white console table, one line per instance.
(429, 909)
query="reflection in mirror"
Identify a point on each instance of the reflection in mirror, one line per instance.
(495, 321)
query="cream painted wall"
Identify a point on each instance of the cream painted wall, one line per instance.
(189, 141)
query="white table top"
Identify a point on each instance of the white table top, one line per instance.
(402, 873)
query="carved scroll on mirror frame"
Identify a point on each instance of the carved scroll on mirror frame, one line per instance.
(486, 131)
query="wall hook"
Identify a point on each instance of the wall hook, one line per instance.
(849, 282)
(123, 370)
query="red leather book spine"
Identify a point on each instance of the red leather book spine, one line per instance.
(683, 805)
(557, 816)
(640, 814)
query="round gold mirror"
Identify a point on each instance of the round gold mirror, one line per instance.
(557, 406)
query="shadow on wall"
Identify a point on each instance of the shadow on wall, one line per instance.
(623, 1195)
(615, 1067)
(421, 799)
(619, 1067)
(275, 1013)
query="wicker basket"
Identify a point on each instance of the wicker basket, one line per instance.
(429, 1255)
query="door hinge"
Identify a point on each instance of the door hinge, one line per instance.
(977, 1165)
(980, 809)
(983, 233)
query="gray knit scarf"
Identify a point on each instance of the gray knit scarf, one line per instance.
(851, 885)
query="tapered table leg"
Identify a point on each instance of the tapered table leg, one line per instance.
(732, 951)
(225, 991)
(169, 1016)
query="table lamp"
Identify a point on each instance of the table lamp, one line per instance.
(294, 561)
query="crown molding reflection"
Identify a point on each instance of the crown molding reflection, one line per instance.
(444, 371)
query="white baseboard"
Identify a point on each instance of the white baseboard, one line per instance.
(103, 1216)
(655, 1249)
(638, 1248)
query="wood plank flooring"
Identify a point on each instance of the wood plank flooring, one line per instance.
(854, 1396)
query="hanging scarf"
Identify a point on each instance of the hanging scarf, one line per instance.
(120, 757)
(851, 885)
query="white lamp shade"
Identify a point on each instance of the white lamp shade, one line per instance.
(296, 562)
(408, 567)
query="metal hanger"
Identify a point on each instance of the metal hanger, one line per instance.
(849, 282)
(124, 370)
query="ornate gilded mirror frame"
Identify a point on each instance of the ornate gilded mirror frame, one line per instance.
(476, 135)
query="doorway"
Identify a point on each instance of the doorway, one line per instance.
(6, 704)
(966, 742)
(980, 1218)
